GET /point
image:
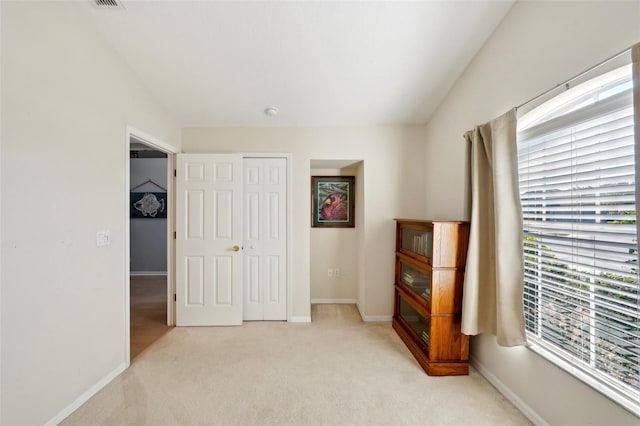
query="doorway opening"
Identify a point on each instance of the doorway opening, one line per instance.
(149, 244)
(337, 269)
(148, 228)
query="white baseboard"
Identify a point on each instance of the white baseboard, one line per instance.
(528, 412)
(360, 310)
(376, 318)
(300, 319)
(373, 318)
(145, 273)
(338, 301)
(58, 418)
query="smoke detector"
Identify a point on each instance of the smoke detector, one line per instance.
(107, 4)
(271, 111)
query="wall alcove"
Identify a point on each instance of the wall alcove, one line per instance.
(336, 254)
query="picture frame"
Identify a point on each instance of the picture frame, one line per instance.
(148, 205)
(333, 201)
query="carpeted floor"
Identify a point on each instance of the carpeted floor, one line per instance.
(335, 371)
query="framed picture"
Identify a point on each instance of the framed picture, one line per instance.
(332, 201)
(148, 205)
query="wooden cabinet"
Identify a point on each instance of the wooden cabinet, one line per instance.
(430, 262)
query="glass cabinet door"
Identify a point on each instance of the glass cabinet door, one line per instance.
(417, 241)
(416, 280)
(419, 324)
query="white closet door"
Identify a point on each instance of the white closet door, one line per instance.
(208, 240)
(265, 238)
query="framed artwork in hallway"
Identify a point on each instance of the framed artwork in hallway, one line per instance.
(332, 201)
(148, 205)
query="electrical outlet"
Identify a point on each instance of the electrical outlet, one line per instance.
(330, 272)
(336, 272)
(103, 238)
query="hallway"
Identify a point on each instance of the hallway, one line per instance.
(148, 312)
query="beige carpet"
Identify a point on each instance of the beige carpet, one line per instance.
(335, 371)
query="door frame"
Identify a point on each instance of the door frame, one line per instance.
(289, 220)
(171, 151)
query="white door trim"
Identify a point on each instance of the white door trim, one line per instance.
(132, 132)
(289, 220)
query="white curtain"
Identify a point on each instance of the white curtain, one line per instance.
(494, 279)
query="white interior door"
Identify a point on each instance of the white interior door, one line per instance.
(208, 239)
(265, 239)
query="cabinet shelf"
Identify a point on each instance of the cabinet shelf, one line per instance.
(430, 261)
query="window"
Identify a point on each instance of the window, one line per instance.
(576, 162)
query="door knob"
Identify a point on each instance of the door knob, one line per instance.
(236, 248)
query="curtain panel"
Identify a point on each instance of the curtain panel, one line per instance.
(493, 287)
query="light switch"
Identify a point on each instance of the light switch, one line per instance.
(103, 238)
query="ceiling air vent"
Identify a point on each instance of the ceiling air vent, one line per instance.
(107, 4)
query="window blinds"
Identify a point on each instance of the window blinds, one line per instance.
(577, 189)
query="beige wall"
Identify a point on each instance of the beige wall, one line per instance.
(333, 248)
(360, 236)
(393, 182)
(537, 46)
(66, 101)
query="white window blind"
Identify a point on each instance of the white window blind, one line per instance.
(576, 158)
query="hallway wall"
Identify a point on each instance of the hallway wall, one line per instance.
(148, 235)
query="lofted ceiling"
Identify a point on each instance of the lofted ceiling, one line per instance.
(321, 63)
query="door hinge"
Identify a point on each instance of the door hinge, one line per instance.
(175, 235)
(175, 172)
(175, 297)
